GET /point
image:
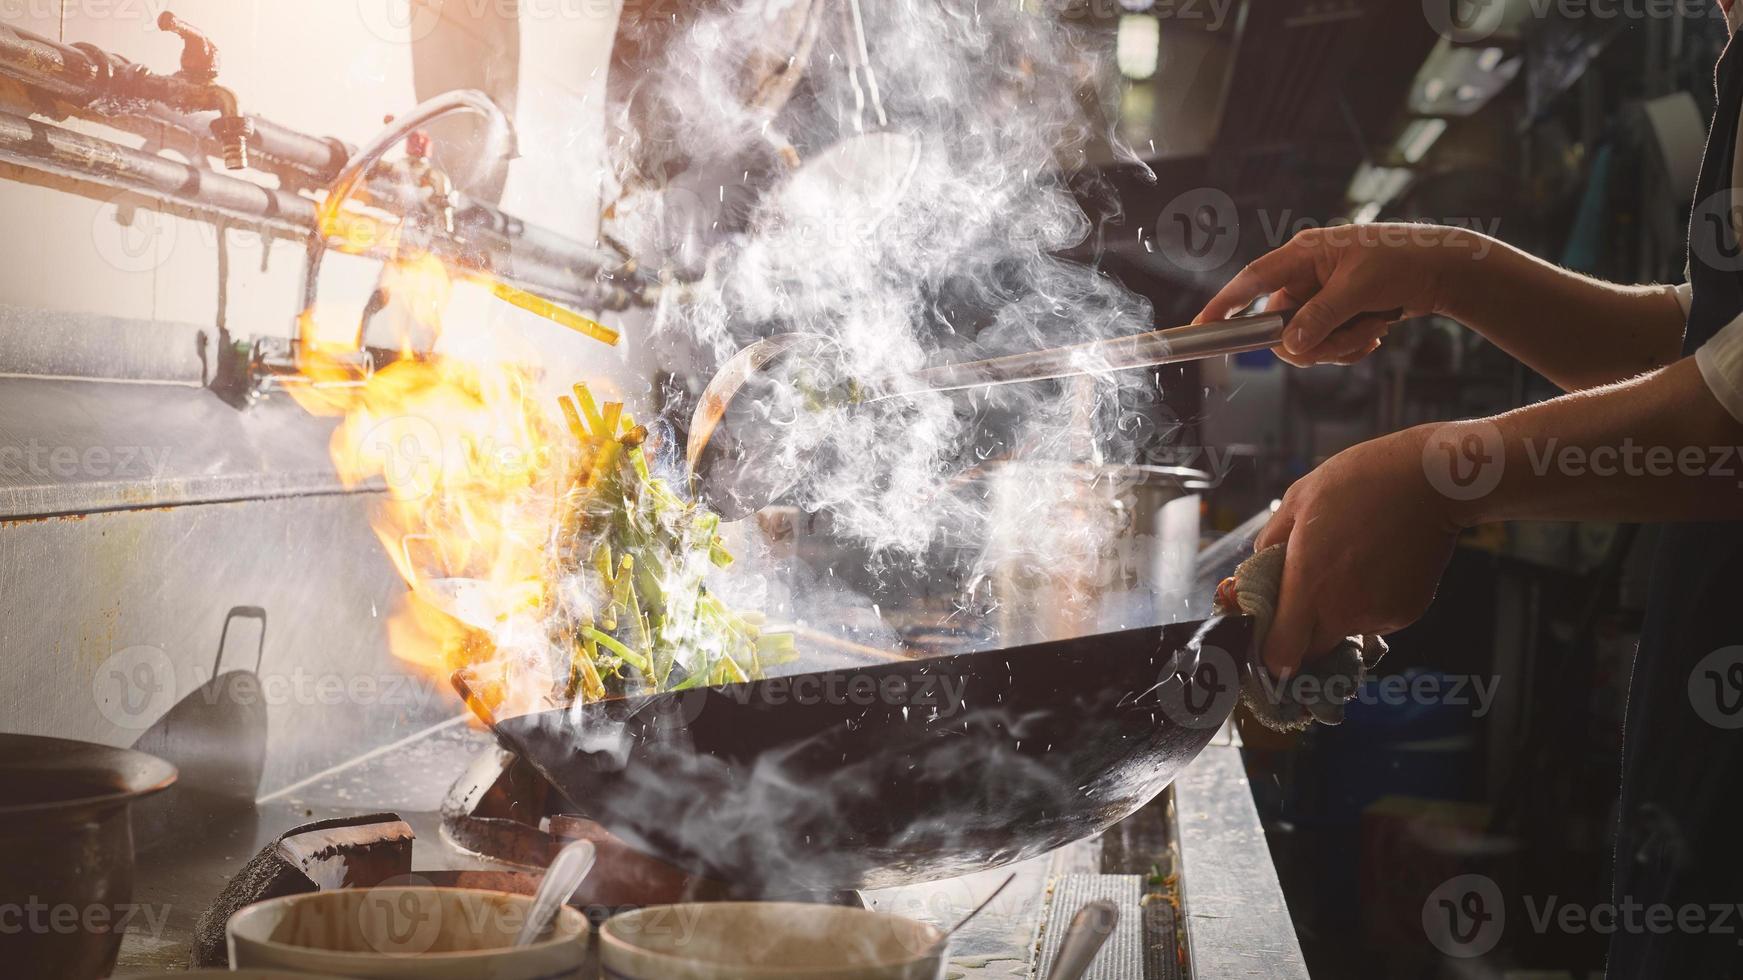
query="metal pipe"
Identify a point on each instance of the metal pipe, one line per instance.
(47, 148)
(81, 77)
(62, 70)
(53, 149)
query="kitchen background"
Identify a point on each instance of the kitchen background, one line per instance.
(154, 535)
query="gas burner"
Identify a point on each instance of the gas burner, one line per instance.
(502, 809)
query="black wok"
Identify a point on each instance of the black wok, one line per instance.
(899, 773)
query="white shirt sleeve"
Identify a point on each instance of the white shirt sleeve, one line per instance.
(1721, 362)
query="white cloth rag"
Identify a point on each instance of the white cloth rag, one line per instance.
(1322, 686)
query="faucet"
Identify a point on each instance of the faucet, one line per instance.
(499, 138)
(437, 187)
(200, 70)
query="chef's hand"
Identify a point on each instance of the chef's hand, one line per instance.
(1368, 538)
(1339, 277)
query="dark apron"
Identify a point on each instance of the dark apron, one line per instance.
(1680, 841)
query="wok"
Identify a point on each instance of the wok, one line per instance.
(903, 772)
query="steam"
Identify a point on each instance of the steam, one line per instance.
(920, 229)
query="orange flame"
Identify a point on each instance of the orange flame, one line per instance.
(475, 468)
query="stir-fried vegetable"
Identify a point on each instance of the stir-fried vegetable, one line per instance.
(632, 557)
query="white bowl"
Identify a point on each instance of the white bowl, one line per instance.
(405, 932)
(768, 941)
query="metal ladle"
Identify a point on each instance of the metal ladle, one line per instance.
(733, 442)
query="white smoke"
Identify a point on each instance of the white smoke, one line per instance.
(929, 238)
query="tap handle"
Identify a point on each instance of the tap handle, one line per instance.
(199, 54)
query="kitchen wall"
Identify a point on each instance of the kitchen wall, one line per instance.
(123, 593)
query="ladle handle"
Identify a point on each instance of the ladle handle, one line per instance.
(1089, 929)
(1216, 338)
(1258, 331)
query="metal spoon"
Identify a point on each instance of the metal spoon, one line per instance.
(1089, 929)
(561, 879)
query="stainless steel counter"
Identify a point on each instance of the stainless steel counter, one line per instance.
(1237, 924)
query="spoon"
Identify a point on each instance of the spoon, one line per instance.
(555, 889)
(1089, 929)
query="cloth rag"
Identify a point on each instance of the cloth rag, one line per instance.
(1317, 691)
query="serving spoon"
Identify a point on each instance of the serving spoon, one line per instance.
(562, 877)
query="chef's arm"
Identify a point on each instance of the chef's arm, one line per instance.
(1371, 529)
(1575, 330)
(1659, 447)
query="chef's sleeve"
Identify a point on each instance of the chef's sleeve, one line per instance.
(1720, 358)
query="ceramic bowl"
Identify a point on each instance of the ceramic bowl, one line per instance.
(395, 932)
(768, 941)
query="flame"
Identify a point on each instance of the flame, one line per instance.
(475, 465)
